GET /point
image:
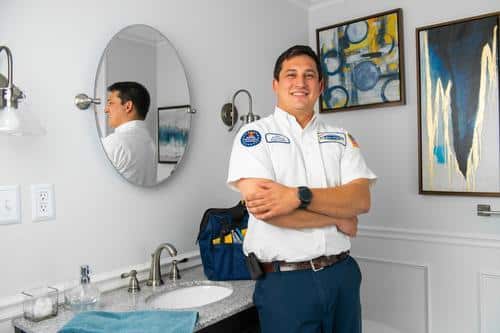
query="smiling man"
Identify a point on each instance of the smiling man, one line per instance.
(130, 148)
(304, 183)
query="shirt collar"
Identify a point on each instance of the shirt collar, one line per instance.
(130, 125)
(285, 117)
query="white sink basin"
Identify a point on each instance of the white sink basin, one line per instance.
(190, 295)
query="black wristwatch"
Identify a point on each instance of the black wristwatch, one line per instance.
(305, 196)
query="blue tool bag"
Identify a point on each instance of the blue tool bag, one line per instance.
(221, 235)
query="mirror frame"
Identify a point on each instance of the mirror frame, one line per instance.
(95, 106)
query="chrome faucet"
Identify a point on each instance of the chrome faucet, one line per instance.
(154, 273)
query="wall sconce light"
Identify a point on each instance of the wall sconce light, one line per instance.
(13, 119)
(229, 113)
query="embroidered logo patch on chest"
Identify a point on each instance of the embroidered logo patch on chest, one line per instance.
(337, 137)
(276, 138)
(251, 138)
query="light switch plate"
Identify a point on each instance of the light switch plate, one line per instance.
(10, 205)
(43, 202)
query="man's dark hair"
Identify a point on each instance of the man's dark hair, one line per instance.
(135, 92)
(295, 51)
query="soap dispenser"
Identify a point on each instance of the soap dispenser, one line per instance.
(84, 296)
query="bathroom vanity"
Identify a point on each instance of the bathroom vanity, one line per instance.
(234, 313)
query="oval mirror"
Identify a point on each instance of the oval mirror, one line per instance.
(144, 143)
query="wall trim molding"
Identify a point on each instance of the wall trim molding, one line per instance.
(483, 275)
(429, 236)
(426, 270)
(12, 306)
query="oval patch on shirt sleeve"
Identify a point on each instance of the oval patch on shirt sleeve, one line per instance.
(251, 138)
(337, 137)
(276, 138)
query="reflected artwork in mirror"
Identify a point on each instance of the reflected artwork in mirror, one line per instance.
(173, 130)
(144, 141)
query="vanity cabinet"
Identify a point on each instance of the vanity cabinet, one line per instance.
(246, 321)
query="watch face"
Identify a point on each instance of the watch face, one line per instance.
(305, 194)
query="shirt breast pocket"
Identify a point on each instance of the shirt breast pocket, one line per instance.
(331, 153)
(286, 162)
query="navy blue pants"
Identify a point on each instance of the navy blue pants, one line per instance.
(304, 301)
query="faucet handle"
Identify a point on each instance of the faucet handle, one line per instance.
(133, 284)
(174, 271)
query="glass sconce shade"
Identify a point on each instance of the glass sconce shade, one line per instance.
(14, 119)
(19, 122)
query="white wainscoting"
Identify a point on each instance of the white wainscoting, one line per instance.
(396, 294)
(465, 279)
(489, 302)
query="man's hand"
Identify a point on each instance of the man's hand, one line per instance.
(348, 226)
(272, 199)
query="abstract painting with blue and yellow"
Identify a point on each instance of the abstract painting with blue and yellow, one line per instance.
(361, 61)
(459, 106)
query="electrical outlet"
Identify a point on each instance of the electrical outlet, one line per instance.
(44, 196)
(43, 202)
(10, 202)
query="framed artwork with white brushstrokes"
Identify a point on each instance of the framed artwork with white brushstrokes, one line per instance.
(362, 62)
(458, 107)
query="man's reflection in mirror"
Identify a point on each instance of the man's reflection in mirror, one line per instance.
(130, 148)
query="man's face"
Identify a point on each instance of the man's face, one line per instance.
(116, 111)
(298, 87)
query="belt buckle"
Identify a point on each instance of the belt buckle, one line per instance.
(314, 268)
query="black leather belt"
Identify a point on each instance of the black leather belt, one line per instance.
(315, 264)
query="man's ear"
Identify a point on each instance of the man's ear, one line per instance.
(322, 85)
(129, 106)
(275, 85)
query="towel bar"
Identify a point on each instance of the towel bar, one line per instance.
(485, 210)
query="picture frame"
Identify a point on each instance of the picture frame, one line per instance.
(173, 131)
(458, 107)
(362, 62)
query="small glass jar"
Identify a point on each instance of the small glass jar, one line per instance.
(40, 303)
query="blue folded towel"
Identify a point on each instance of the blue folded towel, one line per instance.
(132, 322)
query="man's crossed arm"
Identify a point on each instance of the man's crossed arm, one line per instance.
(277, 204)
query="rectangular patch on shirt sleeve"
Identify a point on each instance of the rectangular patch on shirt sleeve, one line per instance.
(337, 137)
(276, 138)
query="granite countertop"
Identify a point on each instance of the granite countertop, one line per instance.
(121, 300)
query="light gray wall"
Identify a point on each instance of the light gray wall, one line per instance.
(134, 60)
(429, 263)
(172, 89)
(102, 220)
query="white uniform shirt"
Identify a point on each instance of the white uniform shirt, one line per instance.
(133, 152)
(318, 156)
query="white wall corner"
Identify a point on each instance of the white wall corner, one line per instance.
(315, 4)
(318, 4)
(304, 4)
